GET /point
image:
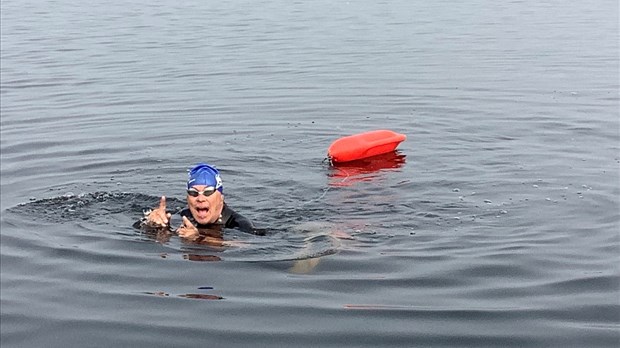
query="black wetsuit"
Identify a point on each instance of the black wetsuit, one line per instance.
(229, 219)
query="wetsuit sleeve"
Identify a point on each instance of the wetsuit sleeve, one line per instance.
(236, 220)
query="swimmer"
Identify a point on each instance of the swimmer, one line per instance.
(205, 210)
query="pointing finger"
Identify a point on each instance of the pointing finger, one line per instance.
(162, 208)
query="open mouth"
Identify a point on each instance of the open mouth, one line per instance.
(202, 211)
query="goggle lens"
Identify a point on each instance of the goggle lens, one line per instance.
(206, 192)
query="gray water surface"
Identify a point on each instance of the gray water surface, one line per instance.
(495, 224)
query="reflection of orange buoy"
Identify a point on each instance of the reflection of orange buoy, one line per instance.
(367, 169)
(364, 145)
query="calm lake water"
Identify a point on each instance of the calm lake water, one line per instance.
(495, 224)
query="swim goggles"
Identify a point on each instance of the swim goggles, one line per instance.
(206, 192)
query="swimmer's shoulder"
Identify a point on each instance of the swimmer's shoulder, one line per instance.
(232, 219)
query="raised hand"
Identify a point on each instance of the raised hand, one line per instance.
(159, 216)
(188, 230)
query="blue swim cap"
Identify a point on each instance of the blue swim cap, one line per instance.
(204, 174)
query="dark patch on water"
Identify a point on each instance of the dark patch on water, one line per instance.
(95, 206)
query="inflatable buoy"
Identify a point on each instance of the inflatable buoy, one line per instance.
(362, 145)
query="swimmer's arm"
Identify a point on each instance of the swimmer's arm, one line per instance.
(244, 224)
(258, 231)
(158, 217)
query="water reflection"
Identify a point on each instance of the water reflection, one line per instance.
(202, 258)
(350, 173)
(211, 238)
(194, 296)
(202, 297)
(160, 235)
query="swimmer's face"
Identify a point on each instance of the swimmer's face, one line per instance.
(205, 209)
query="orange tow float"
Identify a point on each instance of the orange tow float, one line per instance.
(363, 145)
